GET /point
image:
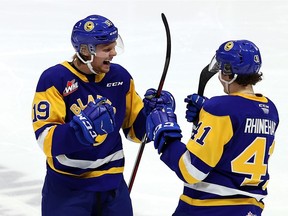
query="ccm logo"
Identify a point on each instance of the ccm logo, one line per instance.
(114, 84)
(88, 126)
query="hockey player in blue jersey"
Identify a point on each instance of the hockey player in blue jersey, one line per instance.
(224, 165)
(78, 110)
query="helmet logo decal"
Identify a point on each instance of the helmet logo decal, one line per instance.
(256, 59)
(108, 23)
(228, 46)
(89, 26)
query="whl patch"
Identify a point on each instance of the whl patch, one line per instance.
(71, 86)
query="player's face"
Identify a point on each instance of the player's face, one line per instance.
(103, 57)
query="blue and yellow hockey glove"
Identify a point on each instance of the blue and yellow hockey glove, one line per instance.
(194, 105)
(151, 102)
(97, 118)
(161, 126)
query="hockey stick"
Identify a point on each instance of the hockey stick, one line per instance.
(160, 86)
(205, 76)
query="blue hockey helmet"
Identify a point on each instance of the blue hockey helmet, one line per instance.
(93, 30)
(240, 57)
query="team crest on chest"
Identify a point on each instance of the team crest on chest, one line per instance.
(71, 86)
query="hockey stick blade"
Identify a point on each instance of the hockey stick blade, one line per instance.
(158, 93)
(205, 76)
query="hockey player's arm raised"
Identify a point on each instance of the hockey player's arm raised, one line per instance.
(193, 162)
(162, 127)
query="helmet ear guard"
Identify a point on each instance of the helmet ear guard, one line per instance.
(227, 69)
(237, 57)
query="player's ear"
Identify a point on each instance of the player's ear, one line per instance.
(84, 50)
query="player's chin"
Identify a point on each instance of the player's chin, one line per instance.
(105, 68)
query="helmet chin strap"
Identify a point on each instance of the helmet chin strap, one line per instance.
(88, 62)
(227, 83)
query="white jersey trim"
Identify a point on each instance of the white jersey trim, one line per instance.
(41, 138)
(221, 190)
(192, 170)
(86, 164)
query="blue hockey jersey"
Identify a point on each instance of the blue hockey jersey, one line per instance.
(225, 161)
(63, 92)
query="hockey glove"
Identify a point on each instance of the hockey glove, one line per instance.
(97, 118)
(151, 102)
(194, 105)
(161, 126)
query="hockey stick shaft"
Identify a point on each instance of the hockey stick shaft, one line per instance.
(158, 93)
(168, 55)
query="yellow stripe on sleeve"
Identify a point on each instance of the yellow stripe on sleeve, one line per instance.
(133, 106)
(49, 107)
(214, 132)
(47, 145)
(189, 178)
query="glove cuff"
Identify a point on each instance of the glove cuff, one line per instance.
(164, 132)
